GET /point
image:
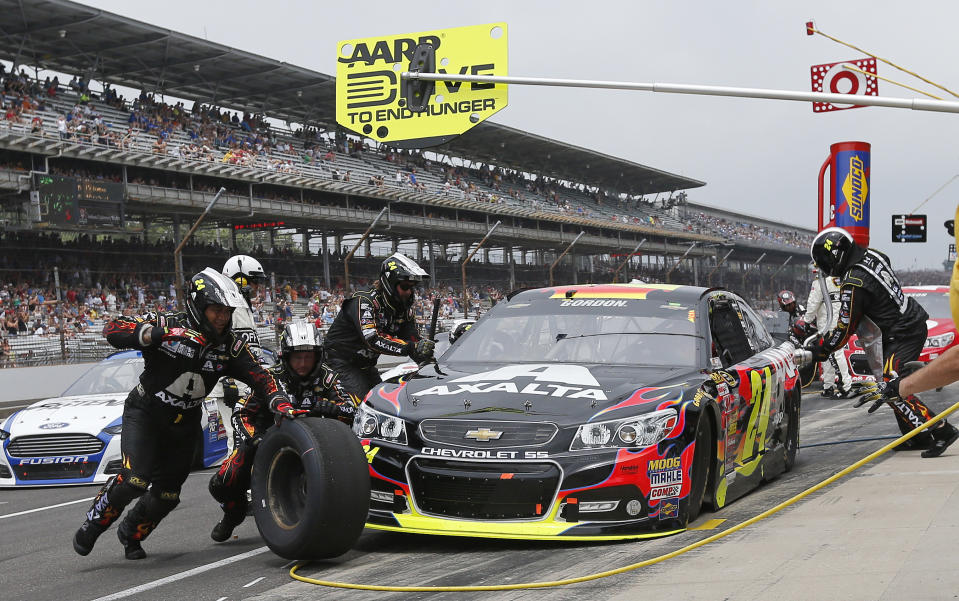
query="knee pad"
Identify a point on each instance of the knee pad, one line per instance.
(123, 488)
(158, 503)
(115, 495)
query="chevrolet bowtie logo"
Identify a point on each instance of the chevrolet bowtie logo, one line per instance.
(483, 434)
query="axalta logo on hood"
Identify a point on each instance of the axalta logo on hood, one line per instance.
(570, 381)
(53, 426)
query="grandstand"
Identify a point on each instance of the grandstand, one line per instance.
(165, 120)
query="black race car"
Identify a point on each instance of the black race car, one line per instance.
(586, 412)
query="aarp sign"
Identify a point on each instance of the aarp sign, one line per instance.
(368, 84)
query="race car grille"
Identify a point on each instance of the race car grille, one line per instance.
(56, 471)
(483, 491)
(486, 434)
(51, 445)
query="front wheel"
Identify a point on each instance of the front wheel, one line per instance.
(792, 432)
(699, 473)
(311, 488)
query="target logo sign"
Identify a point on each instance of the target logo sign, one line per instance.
(834, 78)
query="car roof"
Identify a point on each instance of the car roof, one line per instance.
(124, 355)
(665, 292)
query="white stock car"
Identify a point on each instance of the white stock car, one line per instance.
(75, 438)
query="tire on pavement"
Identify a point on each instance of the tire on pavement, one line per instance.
(699, 473)
(311, 488)
(792, 431)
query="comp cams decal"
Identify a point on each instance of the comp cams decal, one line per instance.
(665, 478)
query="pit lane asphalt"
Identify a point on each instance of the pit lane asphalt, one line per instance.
(37, 561)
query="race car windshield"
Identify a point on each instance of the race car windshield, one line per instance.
(107, 378)
(666, 337)
(936, 304)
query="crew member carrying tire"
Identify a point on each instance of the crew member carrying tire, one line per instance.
(184, 355)
(377, 321)
(313, 389)
(870, 288)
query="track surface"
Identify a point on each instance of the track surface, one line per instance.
(37, 561)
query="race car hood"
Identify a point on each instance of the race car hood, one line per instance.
(87, 414)
(563, 393)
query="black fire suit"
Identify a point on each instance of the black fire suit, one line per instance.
(161, 416)
(252, 417)
(870, 288)
(367, 326)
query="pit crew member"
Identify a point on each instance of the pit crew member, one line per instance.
(184, 356)
(870, 288)
(313, 389)
(816, 310)
(374, 322)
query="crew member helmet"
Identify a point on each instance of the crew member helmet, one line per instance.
(397, 268)
(300, 336)
(244, 270)
(787, 301)
(459, 328)
(834, 251)
(211, 288)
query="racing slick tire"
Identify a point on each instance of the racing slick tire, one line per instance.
(311, 488)
(699, 473)
(792, 433)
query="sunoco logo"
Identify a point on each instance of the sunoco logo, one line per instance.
(855, 188)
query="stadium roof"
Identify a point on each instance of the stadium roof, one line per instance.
(72, 38)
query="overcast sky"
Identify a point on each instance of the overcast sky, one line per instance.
(760, 157)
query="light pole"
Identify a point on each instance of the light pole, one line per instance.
(709, 277)
(177, 253)
(346, 260)
(628, 257)
(679, 260)
(466, 298)
(551, 267)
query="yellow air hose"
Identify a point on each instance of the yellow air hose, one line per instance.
(641, 564)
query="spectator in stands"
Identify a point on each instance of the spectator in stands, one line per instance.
(10, 323)
(7, 357)
(159, 146)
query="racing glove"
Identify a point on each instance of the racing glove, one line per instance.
(878, 393)
(817, 346)
(422, 350)
(801, 329)
(282, 406)
(325, 408)
(159, 335)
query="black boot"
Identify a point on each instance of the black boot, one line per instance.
(131, 546)
(917, 443)
(942, 436)
(86, 537)
(224, 528)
